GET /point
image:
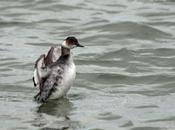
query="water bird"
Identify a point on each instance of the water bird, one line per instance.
(55, 72)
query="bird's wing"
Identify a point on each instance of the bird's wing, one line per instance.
(49, 58)
(39, 65)
(49, 84)
(53, 55)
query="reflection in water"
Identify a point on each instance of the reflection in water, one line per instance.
(59, 108)
(55, 115)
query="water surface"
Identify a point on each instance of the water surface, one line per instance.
(125, 74)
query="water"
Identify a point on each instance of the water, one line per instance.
(125, 74)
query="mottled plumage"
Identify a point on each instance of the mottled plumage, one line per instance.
(55, 73)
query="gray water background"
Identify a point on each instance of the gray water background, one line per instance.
(125, 74)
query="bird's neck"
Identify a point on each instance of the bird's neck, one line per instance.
(65, 51)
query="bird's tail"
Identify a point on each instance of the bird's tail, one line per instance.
(46, 90)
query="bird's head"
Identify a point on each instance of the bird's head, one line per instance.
(70, 43)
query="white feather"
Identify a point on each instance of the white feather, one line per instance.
(36, 78)
(67, 81)
(64, 44)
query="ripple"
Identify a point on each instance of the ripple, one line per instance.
(57, 7)
(108, 116)
(114, 78)
(76, 96)
(123, 52)
(146, 107)
(147, 128)
(40, 44)
(163, 120)
(133, 30)
(8, 59)
(7, 24)
(128, 124)
(27, 66)
(9, 63)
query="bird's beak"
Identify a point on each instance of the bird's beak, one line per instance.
(79, 45)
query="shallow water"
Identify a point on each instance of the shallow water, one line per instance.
(125, 74)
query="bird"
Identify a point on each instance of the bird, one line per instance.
(55, 71)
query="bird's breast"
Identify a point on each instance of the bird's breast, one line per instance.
(69, 75)
(67, 81)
